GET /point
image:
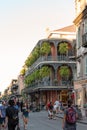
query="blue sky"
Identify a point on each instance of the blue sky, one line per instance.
(22, 24)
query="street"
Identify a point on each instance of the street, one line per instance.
(40, 121)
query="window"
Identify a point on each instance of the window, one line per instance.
(78, 68)
(82, 28)
(78, 38)
(85, 65)
(85, 26)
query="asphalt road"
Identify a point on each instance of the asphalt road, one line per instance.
(40, 121)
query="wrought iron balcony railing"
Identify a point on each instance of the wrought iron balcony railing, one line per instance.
(44, 59)
(49, 85)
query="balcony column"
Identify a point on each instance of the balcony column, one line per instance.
(55, 73)
(73, 68)
(55, 44)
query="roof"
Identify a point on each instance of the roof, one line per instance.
(70, 28)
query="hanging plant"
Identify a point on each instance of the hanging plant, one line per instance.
(64, 71)
(45, 48)
(63, 48)
(44, 71)
(37, 75)
(33, 57)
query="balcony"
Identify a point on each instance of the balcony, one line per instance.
(84, 40)
(51, 59)
(48, 85)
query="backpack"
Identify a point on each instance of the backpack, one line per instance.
(71, 115)
(13, 115)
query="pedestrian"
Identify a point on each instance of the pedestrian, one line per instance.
(70, 117)
(57, 103)
(25, 115)
(50, 110)
(16, 105)
(54, 111)
(61, 108)
(2, 115)
(11, 116)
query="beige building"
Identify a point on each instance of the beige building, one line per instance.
(81, 36)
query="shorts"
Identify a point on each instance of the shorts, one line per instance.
(2, 120)
(26, 115)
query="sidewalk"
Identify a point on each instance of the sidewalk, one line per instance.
(83, 121)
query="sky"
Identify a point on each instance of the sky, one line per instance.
(22, 24)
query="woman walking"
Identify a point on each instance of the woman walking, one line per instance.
(25, 114)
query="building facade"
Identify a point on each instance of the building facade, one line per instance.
(20, 83)
(52, 74)
(80, 21)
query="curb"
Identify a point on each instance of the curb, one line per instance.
(78, 121)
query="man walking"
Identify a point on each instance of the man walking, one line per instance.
(11, 116)
(70, 117)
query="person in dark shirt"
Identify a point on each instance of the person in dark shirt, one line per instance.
(65, 124)
(9, 115)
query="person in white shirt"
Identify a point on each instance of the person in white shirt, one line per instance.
(57, 103)
(54, 111)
